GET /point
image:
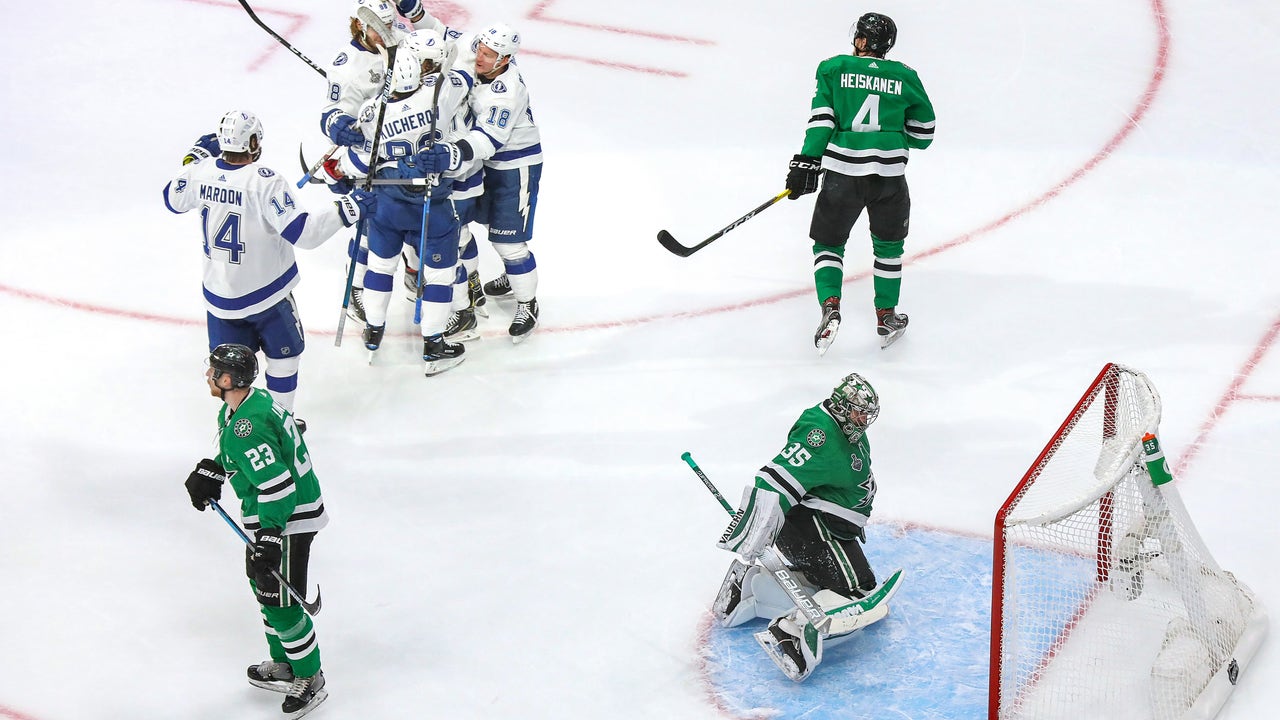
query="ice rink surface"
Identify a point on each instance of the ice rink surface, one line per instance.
(518, 538)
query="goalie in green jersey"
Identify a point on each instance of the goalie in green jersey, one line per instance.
(264, 458)
(867, 113)
(812, 500)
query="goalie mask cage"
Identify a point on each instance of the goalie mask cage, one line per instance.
(1105, 602)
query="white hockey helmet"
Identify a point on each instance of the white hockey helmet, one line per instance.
(384, 9)
(235, 130)
(406, 75)
(500, 38)
(427, 44)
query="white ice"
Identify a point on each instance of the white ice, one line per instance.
(518, 538)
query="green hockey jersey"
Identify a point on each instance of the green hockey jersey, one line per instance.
(269, 467)
(867, 113)
(819, 468)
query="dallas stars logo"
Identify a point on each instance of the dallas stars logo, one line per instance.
(816, 438)
(243, 428)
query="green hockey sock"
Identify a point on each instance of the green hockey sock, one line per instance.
(296, 636)
(887, 271)
(828, 270)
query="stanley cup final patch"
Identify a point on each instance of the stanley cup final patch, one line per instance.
(816, 438)
(243, 428)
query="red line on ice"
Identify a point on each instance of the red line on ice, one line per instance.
(298, 20)
(539, 12)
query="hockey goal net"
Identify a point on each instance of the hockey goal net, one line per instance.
(1105, 601)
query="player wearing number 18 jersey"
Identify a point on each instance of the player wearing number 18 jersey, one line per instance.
(867, 113)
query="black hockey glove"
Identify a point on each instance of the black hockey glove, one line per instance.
(205, 483)
(802, 178)
(266, 555)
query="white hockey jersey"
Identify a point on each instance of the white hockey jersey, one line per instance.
(251, 223)
(504, 135)
(354, 76)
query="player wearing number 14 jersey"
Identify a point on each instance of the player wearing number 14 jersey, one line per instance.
(867, 113)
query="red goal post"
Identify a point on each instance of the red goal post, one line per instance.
(1105, 601)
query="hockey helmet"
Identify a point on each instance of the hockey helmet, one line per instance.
(385, 10)
(854, 404)
(406, 75)
(501, 39)
(879, 30)
(237, 360)
(427, 44)
(235, 130)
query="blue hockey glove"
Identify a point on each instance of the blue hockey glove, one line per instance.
(802, 178)
(358, 203)
(206, 147)
(342, 131)
(411, 9)
(441, 157)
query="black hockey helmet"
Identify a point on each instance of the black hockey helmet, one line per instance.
(238, 360)
(879, 30)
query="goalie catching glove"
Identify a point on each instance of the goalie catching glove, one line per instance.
(755, 525)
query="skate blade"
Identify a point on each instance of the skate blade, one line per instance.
(351, 313)
(435, 367)
(517, 339)
(278, 686)
(315, 703)
(779, 658)
(371, 354)
(481, 311)
(891, 338)
(828, 336)
(464, 335)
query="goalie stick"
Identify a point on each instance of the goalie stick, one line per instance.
(669, 242)
(370, 19)
(312, 608)
(281, 40)
(773, 563)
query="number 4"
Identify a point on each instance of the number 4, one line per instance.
(868, 116)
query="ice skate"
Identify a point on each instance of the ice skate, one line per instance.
(498, 287)
(525, 320)
(889, 325)
(373, 339)
(462, 326)
(735, 604)
(793, 644)
(440, 355)
(304, 695)
(355, 306)
(829, 326)
(271, 675)
(475, 293)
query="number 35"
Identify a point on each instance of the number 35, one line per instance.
(796, 454)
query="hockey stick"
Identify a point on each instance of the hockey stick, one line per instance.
(309, 173)
(302, 160)
(426, 205)
(773, 563)
(312, 608)
(390, 43)
(281, 40)
(669, 242)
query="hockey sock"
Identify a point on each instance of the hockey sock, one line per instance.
(377, 289)
(887, 271)
(282, 380)
(828, 270)
(468, 251)
(362, 263)
(297, 636)
(461, 300)
(522, 269)
(437, 298)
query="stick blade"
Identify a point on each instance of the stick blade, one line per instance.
(313, 606)
(669, 242)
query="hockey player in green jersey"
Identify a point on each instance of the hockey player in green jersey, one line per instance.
(813, 500)
(264, 458)
(868, 112)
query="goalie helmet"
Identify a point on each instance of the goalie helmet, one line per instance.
(237, 360)
(501, 39)
(427, 45)
(384, 9)
(236, 129)
(406, 75)
(854, 404)
(879, 30)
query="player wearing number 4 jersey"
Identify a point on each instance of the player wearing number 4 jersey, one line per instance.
(262, 455)
(813, 500)
(251, 223)
(867, 113)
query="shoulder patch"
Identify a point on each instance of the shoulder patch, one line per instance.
(182, 185)
(266, 172)
(497, 86)
(855, 462)
(340, 60)
(816, 438)
(430, 80)
(243, 428)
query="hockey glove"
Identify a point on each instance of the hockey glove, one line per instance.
(205, 483)
(352, 207)
(413, 10)
(755, 525)
(802, 178)
(333, 176)
(206, 147)
(342, 131)
(267, 551)
(441, 157)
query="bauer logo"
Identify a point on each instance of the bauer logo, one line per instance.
(243, 428)
(816, 438)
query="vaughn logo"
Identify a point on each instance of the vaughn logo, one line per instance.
(733, 525)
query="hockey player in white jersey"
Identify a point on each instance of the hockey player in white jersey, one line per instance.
(506, 138)
(408, 151)
(251, 223)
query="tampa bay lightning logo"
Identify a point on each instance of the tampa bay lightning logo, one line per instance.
(265, 172)
(498, 87)
(429, 81)
(340, 60)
